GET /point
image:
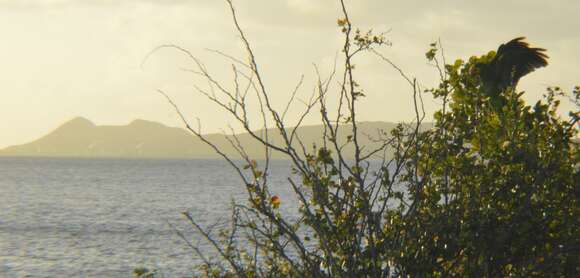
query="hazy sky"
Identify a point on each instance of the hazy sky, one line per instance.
(65, 58)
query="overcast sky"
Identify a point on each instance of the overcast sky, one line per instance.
(65, 58)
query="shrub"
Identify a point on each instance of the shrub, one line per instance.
(485, 192)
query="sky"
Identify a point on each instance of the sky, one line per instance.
(60, 59)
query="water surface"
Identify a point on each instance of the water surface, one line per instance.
(104, 217)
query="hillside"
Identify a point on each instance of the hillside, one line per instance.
(144, 139)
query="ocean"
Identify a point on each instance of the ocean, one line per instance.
(104, 217)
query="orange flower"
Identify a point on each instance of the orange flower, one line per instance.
(275, 200)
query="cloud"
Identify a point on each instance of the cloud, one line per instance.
(56, 4)
(82, 57)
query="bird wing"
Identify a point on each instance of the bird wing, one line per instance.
(516, 58)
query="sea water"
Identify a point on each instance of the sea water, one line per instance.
(105, 217)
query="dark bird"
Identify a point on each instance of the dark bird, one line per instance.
(512, 61)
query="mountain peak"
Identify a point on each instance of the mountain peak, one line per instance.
(79, 122)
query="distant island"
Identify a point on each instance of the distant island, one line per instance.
(80, 137)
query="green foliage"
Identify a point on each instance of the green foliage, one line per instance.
(490, 191)
(142, 272)
(494, 192)
(487, 192)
